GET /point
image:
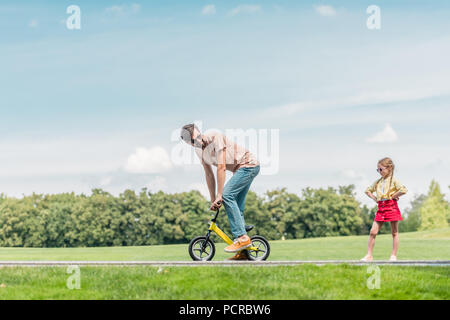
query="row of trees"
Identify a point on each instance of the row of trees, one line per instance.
(101, 219)
(428, 211)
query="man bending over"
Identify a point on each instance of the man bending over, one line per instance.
(215, 149)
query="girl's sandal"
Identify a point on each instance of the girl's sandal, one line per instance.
(393, 258)
(367, 259)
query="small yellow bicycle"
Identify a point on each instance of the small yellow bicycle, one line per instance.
(203, 249)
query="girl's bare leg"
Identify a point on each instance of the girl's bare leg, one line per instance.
(373, 234)
(395, 238)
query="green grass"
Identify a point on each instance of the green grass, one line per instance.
(241, 283)
(427, 245)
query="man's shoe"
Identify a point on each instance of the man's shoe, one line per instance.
(239, 244)
(241, 255)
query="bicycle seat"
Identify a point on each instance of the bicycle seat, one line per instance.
(249, 228)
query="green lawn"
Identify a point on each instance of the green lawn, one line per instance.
(428, 245)
(241, 283)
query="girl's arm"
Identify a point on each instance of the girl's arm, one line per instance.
(370, 190)
(371, 196)
(396, 196)
(401, 190)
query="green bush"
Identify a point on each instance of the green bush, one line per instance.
(130, 219)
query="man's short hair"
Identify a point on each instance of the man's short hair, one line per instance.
(187, 132)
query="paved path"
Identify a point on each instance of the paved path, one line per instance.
(219, 263)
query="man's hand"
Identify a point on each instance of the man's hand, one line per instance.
(217, 203)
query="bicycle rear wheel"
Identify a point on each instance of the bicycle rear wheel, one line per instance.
(263, 249)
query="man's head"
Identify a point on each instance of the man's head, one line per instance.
(191, 135)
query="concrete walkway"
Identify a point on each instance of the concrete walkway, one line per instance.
(220, 263)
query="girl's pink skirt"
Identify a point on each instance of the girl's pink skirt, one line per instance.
(388, 211)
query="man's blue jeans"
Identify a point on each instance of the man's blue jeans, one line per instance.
(233, 197)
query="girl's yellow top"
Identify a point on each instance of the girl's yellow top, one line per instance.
(381, 187)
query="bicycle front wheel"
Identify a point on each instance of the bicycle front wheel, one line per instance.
(201, 250)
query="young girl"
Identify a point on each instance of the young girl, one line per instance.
(388, 190)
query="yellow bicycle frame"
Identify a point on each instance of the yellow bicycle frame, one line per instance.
(213, 227)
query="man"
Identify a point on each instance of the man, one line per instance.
(215, 149)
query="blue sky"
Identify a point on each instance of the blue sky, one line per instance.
(76, 104)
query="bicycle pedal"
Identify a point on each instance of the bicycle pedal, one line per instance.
(249, 228)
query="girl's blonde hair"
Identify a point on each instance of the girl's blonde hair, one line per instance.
(387, 163)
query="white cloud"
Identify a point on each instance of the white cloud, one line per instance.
(105, 181)
(115, 9)
(135, 8)
(33, 23)
(364, 98)
(153, 160)
(245, 8)
(158, 183)
(325, 10)
(352, 174)
(278, 8)
(373, 84)
(387, 135)
(209, 9)
(61, 155)
(123, 9)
